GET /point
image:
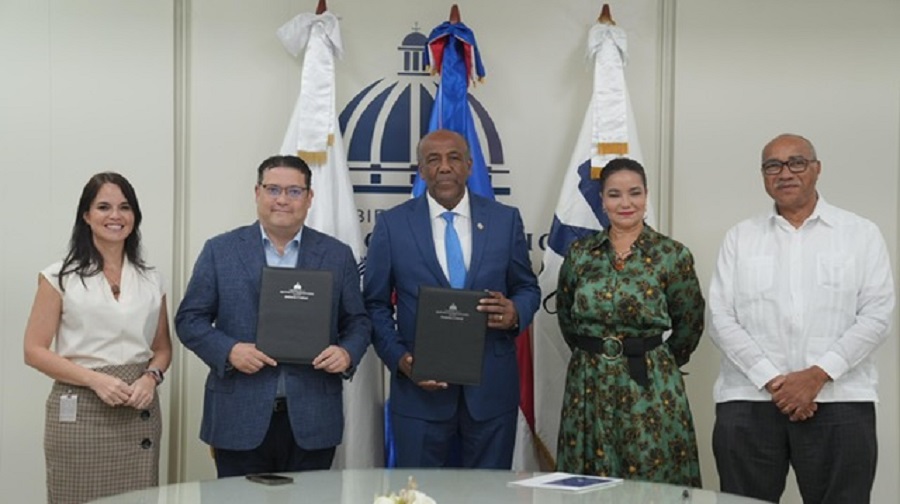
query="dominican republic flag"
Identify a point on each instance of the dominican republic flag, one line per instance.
(608, 131)
(313, 135)
(453, 53)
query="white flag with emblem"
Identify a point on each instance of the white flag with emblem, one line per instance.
(313, 135)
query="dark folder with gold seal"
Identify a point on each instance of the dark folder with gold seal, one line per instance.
(450, 336)
(294, 323)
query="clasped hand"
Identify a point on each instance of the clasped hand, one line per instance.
(115, 392)
(794, 394)
(248, 359)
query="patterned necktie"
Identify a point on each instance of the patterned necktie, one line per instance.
(456, 266)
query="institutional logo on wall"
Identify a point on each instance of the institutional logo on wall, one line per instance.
(383, 123)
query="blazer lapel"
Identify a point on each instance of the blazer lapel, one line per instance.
(481, 227)
(251, 254)
(311, 251)
(420, 224)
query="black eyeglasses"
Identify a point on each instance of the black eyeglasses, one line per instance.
(293, 192)
(794, 164)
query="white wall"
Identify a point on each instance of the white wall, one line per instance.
(89, 85)
(85, 86)
(747, 71)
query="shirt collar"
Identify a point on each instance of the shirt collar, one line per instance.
(646, 239)
(266, 241)
(823, 212)
(435, 209)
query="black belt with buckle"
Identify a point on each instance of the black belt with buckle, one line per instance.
(611, 348)
(280, 405)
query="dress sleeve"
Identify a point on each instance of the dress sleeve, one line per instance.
(565, 295)
(686, 306)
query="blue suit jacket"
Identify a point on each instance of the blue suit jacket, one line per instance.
(401, 256)
(220, 309)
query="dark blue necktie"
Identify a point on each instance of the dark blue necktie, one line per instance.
(456, 265)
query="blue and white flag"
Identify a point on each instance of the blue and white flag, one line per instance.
(608, 131)
(314, 135)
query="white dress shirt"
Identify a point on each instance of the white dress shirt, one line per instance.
(462, 222)
(783, 299)
(97, 330)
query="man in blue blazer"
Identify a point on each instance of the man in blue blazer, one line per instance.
(406, 251)
(259, 415)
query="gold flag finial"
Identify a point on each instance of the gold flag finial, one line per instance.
(454, 14)
(605, 16)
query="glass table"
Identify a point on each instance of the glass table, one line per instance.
(445, 486)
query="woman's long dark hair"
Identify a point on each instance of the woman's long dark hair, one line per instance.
(83, 258)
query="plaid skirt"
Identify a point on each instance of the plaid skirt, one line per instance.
(107, 450)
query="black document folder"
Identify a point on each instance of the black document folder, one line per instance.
(294, 323)
(449, 336)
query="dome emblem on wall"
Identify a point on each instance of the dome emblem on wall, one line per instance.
(384, 121)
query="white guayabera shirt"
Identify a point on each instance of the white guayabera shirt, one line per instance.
(783, 299)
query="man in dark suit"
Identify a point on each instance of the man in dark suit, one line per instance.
(259, 415)
(406, 251)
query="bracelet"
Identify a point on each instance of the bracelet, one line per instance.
(156, 374)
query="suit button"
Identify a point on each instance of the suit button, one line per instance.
(145, 415)
(146, 443)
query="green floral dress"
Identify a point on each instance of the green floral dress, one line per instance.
(611, 426)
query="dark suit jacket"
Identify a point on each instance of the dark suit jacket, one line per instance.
(220, 309)
(401, 256)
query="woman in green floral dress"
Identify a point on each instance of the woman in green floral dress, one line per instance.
(625, 412)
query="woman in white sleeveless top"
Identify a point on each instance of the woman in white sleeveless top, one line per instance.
(103, 310)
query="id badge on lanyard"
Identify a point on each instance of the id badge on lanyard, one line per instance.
(68, 407)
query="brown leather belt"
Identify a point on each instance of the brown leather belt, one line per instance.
(612, 348)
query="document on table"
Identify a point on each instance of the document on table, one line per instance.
(567, 482)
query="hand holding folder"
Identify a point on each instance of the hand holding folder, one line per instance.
(450, 334)
(294, 324)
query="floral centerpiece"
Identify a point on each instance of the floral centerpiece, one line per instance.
(409, 495)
